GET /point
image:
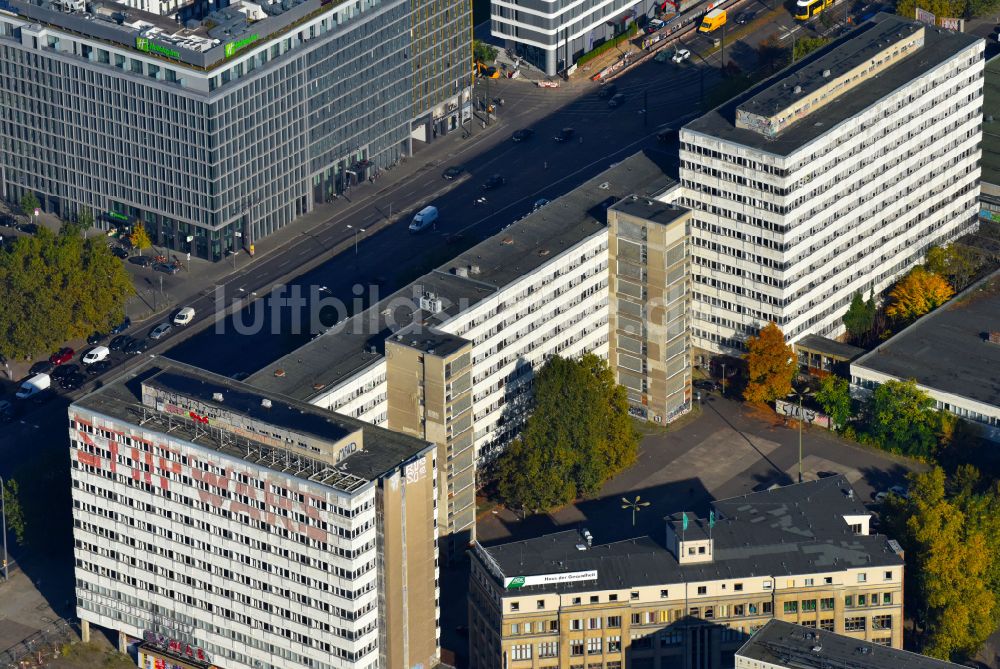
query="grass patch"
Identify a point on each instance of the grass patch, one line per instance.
(90, 656)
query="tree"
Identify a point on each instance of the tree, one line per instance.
(955, 262)
(579, 434)
(12, 508)
(483, 52)
(860, 317)
(139, 237)
(57, 287)
(952, 563)
(834, 395)
(806, 45)
(903, 418)
(29, 203)
(85, 218)
(916, 294)
(770, 366)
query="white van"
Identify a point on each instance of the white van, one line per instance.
(424, 219)
(33, 386)
(96, 354)
(184, 316)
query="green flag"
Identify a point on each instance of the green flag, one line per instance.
(684, 521)
(711, 519)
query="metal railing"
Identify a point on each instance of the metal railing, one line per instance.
(40, 648)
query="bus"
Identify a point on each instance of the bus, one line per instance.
(806, 9)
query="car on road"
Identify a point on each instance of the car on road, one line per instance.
(136, 347)
(96, 337)
(666, 134)
(64, 370)
(184, 316)
(33, 387)
(425, 218)
(65, 354)
(452, 172)
(141, 261)
(95, 354)
(565, 135)
(706, 384)
(745, 18)
(41, 367)
(681, 55)
(99, 367)
(523, 134)
(539, 203)
(73, 381)
(607, 91)
(662, 56)
(494, 182)
(121, 327)
(119, 252)
(120, 343)
(617, 100)
(166, 268)
(159, 331)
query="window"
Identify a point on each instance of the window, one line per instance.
(701, 550)
(808, 623)
(521, 651)
(612, 598)
(664, 594)
(614, 644)
(593, 646)
(809, 581)
(702, 589)
(634, 595)
(636, 619)
(767, 585)
(765, 607)
(553, 625)
(594, 624)
(826, 624)
(694, 611)
(881, 622)
(614, 621)
(577, 600)
(828, 580)
(856, 624)
(882, 640)
(791, 607)
(862, 600)
(862, 577)
(808, 604)
(709, 612)
(849, 601)
(540, 604)
(576, 647)
(738, 610)
(514, 606)
(826, 604)
(548, 649)
(887, 598)
(888, 576)
(856, 528)
(594, 599)
(738, 587)
(576, 624)
(691, 550)
(515, 628)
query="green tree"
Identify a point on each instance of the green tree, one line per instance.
(770, 366)
(952, 563)
(483, 52)
(29, 203)
(15, 515)
(834, 395)
(139, 237)
(903, 419)
(860, 317)
(85, 218)
(806, 45)
(57, 287)
(956, 262)
(579, 434)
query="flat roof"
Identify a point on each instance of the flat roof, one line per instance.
(649, 209)
(472, 276)
(789, 645)
(939, 46)
(991, 128)
(434, 342)
(831, 347)
(383, 450)
(948, 349)
(795, 529)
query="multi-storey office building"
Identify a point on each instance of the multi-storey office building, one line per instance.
(228, 527)
(216, 134)
(814, 184)
(537, 289)
(553, 34)
(802, 553)
(783, 645)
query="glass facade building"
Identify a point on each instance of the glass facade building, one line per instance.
(214, 156)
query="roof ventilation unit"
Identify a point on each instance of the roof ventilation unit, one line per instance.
(266, 403)
(217, 397)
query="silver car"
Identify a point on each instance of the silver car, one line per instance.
(159, 331)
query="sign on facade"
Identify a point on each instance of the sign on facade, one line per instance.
(515, 582)
(925, 17)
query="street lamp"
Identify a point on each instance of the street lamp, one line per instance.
(3, 529)
(356, 231)
(636, 505)
(799, 394)
(236, 235)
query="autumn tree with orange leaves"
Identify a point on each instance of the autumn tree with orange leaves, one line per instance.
(916, 294)
(770, 366)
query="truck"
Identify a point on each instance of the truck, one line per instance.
(33, 386)
(714, 20)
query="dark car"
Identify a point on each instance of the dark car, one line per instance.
(565, 135)
(96, 338)
(137, 347)
(65, 354)
(121, 327)
(73, 381)
(826, 475)
(141, 261)
(452, 172)
(666, 134)
(63, 371)
(523, 134)
(745, 18)
(494, 181)
(120, 343)
(607, 91)
(617, 100)
(119, 252)
(166, 268)
(41, 367)
(99, 367)
(28, 228)
(705, 384)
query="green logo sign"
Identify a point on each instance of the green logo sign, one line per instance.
(515, 583)
(143, 44)
(233, 47)
(118, 217)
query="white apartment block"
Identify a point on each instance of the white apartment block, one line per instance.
(539, 288)
(220, 526)
(553, 34)
(832, 177)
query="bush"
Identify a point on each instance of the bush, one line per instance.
(629, 33)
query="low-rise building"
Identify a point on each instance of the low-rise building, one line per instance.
(223, 526)
(802, 553)
(783, 645)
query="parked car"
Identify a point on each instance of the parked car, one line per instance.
(745, 18)
(159, 331)
(119, 252)
(184, 316)
(99, 367)
(666, 134)
(662, 56)
(681, 55)
(880, 497)
(137, 347)
(452, 172)
(120, 343)
(65, 354)
(607, 91)
(494, 181)
(900, 491)
(121, 327)
(539, 203)
(141, 261)
(166, 268)
(565, 135)
(523, 134)
(424, 219)
(617, 100)
(36, 385)
(41, 367)
(95, 354)
(73, 381)
(96, 337)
